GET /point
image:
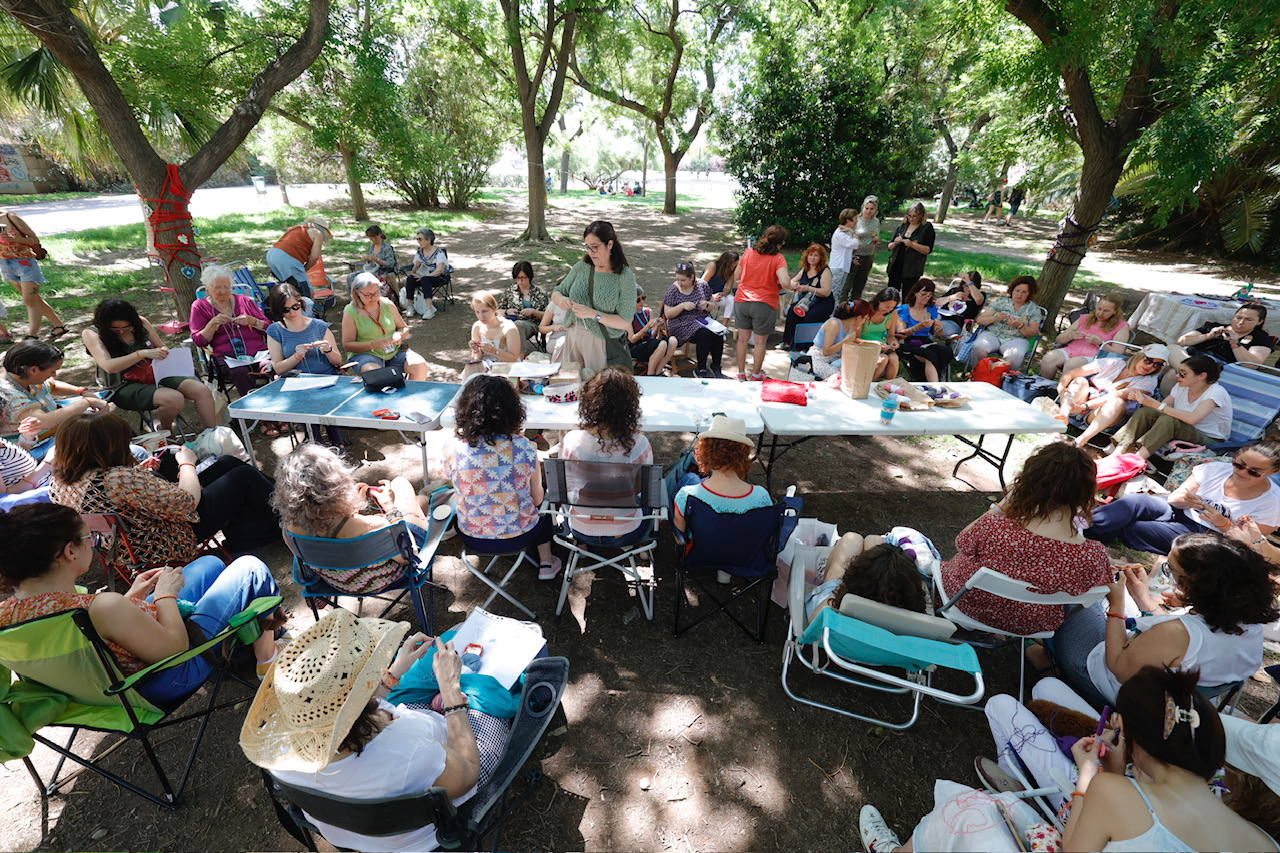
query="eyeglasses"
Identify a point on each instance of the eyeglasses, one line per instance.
(1245, 469)
(1157, 362)
(1184, 373)
(297, 307)
(593, 248)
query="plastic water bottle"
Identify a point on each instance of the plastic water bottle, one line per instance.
(889, 408)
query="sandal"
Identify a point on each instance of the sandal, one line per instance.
(995, 779)
(57, 332)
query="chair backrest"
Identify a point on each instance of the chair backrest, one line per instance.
(376, 816)
(989, 580)
(1255, 399)
(863, 642)
(63, 651)
(805, 333)
(896, 619)
(612, 485)
(743, 544)
(237, 289)
(371, 549)
(111, 544)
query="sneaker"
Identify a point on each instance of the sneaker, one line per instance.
(742, 377)
(877, 837)
(408, 312)
(704, 373)
(431, 312)
(548, 571)
(723, 577)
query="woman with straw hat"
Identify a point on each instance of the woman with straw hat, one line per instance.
(320, 721)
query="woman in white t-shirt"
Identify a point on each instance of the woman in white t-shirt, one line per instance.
(1198, 410)
(1217, 496)
(1094, 389)
(608, 431)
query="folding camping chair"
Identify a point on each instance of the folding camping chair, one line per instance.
(113, 549)
(1003, 586)
(474, 825)
(583, 490)
(744, 545)
(868, 639)
(1255, 401)
(68, 676)
(313, 556)
(806, 334)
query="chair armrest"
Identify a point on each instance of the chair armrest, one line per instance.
(256, 608)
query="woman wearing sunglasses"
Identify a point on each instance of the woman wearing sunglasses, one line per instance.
(298, 342)
(1096, 389)
(1198, 410)
(1215, 497)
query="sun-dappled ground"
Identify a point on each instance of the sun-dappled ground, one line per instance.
(665, 744)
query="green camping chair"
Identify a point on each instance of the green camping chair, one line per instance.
(69, 677)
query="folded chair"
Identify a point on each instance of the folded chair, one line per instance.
(1003, 586)
(68, 676)
(744, 545)
(114, 551)
(872, 645)
(314, 555)
(584, 490)
(474, 825)
(496, 552)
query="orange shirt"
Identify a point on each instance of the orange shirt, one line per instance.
(759, 278)
(296, 243)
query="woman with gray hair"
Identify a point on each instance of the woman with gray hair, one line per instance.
(316, 494)
(911, 244)
(866, 228)
(430, 270)
(375, 334)
(228, 324)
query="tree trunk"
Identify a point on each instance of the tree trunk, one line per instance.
(1098, 179)
(536, 230)
(948, 187)
(564, 171)
(644, 169)
(171, 240)
(358, 210)
(670, 165)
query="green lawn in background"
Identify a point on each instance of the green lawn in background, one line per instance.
(7, 199)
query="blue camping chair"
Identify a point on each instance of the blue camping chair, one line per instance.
(1255, 401)
(312, 555)
(474, 825)
(805, 335)
(744, 545)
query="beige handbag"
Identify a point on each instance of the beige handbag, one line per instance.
(857, 366)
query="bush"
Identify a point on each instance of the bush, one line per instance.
(805, 141)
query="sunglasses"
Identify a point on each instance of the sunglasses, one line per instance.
(1245, 469)
(297, 307)
(1184, 373)
(1156, 361)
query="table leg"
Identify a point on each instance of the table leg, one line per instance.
(777, 449)
(248, 445)
(981, 452)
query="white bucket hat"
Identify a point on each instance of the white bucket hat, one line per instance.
(730, 429)
(316, 690)
(1156, 352)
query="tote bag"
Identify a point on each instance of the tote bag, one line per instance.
(857, 366)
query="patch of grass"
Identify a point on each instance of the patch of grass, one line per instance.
(31, 198)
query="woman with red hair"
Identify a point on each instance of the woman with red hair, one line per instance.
(813, 302)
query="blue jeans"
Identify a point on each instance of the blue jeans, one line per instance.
(1071, 644)
(398, 360)
(218, 593)
(1145, 522)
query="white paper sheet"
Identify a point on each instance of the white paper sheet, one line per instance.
(509, 644)
(714, 325)
(532, 369)
(178, 363)
(241, 361)
(308, 383)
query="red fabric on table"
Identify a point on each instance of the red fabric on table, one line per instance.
(782, 391)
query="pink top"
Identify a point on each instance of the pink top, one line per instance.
(255, 340)
(1006, 546)
(1081, 347)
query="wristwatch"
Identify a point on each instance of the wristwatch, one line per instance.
(599, 318)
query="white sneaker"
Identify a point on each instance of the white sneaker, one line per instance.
(431, 312)
(877, 837)
(408, 312)
(723, 576)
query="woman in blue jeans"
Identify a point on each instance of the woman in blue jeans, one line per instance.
(49, 546)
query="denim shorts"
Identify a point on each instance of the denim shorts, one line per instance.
(397, 360)
(21, 269)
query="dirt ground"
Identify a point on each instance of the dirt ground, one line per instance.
(682, 744)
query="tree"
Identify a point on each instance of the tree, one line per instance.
(1123, 65)
(543, 30)
(165, 189)
(954, 150)
(639, 58)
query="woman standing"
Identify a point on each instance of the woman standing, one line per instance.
(598, 294)
(877, 322)
(374, 332)
(843, 245)
(866, 229)
(1088, 337)
(759, 279)
(918, 324)
(20, 251)
(299, 249)
(910, 247)
(1009, 323)
(1198, 410)
(124, 344)
(813, 285)
(229, 325)
(686, 307)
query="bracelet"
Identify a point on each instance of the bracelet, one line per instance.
(160, 598)
(390, 681)
(186, 464)
(1119, 616)
(464, 705)
(1075, 794)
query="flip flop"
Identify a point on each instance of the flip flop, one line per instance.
(57, 332)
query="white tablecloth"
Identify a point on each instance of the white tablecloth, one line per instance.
(1168, 316)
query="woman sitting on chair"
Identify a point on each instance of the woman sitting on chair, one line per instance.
(316, 495)
(229, 325)
(1088, 338)
(29, 392)
(374, 332)
(298, 342)
(493, 336)
(686, 306)
(494, 469)
(1224, 595)
(353, 743)
(871, 568)
(524, 303)
(608, 431)
(123, 344)
(1096, 389)
(918, 326)
(1033, 535)
(878, 322)
(1198, 410)
(829, 342)
(1009, 322)
(95, 472)
(723, 453)
(49, 546)
(813, 302)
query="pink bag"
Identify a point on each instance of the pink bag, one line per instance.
(1115, 470)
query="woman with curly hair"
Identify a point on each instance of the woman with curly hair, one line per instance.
(871, 568)
(608, 431)
(494, 469)
(1033, 535)
(1009, 322)
(316, 494)
(1224, 597)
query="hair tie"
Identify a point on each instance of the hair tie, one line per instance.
(1173, 715)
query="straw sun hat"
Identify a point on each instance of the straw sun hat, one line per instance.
(730, 429)
(316, 690)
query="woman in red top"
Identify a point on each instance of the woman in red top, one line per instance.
(1033, 535)
(759, 278)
